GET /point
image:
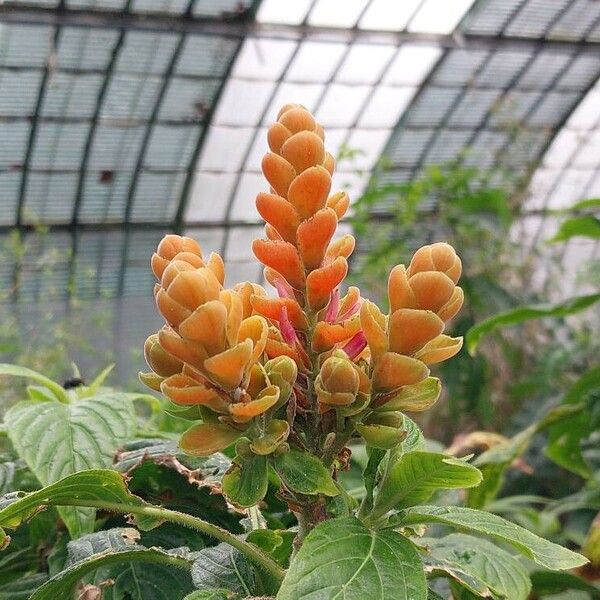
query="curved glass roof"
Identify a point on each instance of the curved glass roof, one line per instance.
(123, 119)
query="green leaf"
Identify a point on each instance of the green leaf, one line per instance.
(57, 439)
(16, 371)
(495, 461)
(342, 559)
(277, 543)
(162, 564)
(88, 486)
(547, 583)
(526, 313)
(133, 580)
(304, 473)
(490, 567)
(414, 439)
(22, 588)
(210, 595)
(246, 482)
(585, 204)
(583, 226)
(541, 551)
(222, 567)
(417, 475)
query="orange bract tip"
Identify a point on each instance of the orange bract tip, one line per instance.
(279, 213)
(314, 236)
(186, 391)
(245, 291)
(173, 269)
(171, 310)
(439, 349)
(431, 289)
(303, 150)
(410, 329)
(276, 136)
(329, 163)
(373, 325)
(193, 288)
(279, 173)
(297, 119)
(207, 438)
(321, 282)
(340, 203)
(286, 107)
(451, 308)
(399, 292)
(216, 265)
(160, 361)
(392, 371)
(244, 411)
(227, 369)
(283, 257)
(271, 309)
(327, 335)
(173, 244)
(342, 247)
(254, 328)
(308, 192)
(235, 313)
(189, 352)
(437, 257)
(207, 325)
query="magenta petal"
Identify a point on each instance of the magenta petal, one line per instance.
(287, 329)
(333, 306)
(356, 345)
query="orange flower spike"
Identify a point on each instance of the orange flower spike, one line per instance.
(321, 282)
(437, 257)
(314, 236)
(207, 325)
(283, 258)
(169, 247)
(280, 214)
(277, 136)
(193, 288)
(308, 192)
(410, 329)
(296, 118)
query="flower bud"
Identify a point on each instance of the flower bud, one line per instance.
(338, 382)
(383, 430)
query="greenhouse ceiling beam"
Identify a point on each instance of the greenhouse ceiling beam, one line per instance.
(11, 12)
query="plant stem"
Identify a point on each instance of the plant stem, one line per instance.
(252, 552)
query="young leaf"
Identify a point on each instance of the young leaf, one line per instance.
(417, 475)
(222, 567)
(341, 558)
(526, 313)
(58, 439)
(17, 371)
(246, 483)
(491, 567)
(541, 551)
(304, 473)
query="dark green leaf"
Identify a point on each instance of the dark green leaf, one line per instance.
(526, 313)
(487, 567)
(417, 475)
(211, 595)
(222, 567)
(22, 588)
(57, 439)
(304, 473)
(278, 543)
(543, 552)
(341, 558)
(246, 482)
(550, 583)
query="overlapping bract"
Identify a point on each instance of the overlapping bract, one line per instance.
(241, 354)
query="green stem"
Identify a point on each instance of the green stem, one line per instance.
(252, 552)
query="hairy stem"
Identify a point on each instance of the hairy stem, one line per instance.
(252, 552)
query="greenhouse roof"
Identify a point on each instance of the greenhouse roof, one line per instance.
(121, 120)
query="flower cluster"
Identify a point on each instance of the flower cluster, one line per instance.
(308, 360)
